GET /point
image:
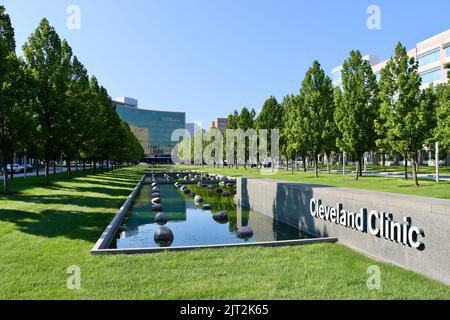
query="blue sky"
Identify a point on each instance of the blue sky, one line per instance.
(209, 57)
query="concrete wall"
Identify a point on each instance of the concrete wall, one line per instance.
(290, 203)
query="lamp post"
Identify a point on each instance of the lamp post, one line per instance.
(437, 161)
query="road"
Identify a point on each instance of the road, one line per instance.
(42, 172)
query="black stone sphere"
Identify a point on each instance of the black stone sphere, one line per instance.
(156, 189)
(156, 200)
(207, 207)
(154, 184)
(157, 207)
(164, 237)
(245, 232)
(156, 195)
(221, 216)
(161, 219)
(186, 191)
(226, 194)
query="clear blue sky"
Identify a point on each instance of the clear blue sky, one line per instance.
(209, 57)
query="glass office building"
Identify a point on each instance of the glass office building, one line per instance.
(152, 128)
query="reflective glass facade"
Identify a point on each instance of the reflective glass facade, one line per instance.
(431, 76)
(153, 128)
(429, 57)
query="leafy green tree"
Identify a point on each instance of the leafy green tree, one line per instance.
(357, 108)
(271, 117)
(408, 114)
(47, 58)
(315, 119)
(15, 89)
(291, 137)
(442, 130)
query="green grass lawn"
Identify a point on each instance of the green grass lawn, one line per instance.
(427, 188)
(44, 230)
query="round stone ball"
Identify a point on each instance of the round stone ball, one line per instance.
(207, 207)
(186, 191)
(161, 219)
(154, 184)
(200, 184)
(157, 207)
(222, 183)
(226, 194)
(221, 216)
(164, 237)
(230, 185)
(198, 199)
(245, 232)
(156, 200)
(156, 189)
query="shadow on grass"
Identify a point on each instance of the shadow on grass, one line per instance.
(52, 224)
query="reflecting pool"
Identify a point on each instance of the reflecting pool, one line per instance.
(191, 225)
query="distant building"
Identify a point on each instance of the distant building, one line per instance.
(152, 128)
(433, 54)
(192, 128)
(220, 123)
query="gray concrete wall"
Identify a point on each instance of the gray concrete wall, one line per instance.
(290, 203)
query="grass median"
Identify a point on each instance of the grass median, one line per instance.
(427, 188)
(46, 229)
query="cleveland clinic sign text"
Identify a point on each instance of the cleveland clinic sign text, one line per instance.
(379, 224)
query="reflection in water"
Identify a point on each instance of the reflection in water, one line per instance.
(191, 225)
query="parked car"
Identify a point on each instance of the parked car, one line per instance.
(15, 168)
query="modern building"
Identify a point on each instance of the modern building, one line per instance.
(220, 123)
(433, 54)
(152, 128)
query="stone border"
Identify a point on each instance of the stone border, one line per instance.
(288, 243)
(106, 238)
(289, 202)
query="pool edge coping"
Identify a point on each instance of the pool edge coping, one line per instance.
(286, 243)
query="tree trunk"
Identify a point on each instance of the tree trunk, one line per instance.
(361, 166)
(36, 165)
(11, 174)
(54, 167)
(69, 173)
(84, 168)
(384, 162)
(414, 165)
(305, 165)
(94, 167)
(406, 167)
(5, 177)
(47, 171)
(328, 164)
(358, 164)
(287, 164)
(107, 165)
(316, 166)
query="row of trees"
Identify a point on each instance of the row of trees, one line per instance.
(51, 109)
(390, 116)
